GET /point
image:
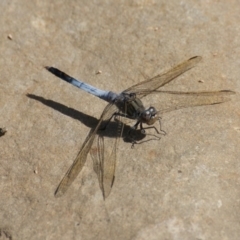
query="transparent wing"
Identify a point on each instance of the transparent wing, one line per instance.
(80, 160)
(97, 154)
(173, 100)
(146, 87)
(104, 155)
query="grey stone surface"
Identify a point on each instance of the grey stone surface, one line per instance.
(185, 186)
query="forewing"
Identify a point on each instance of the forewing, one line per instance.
(80, 160)
(173, 100)
(146, 87)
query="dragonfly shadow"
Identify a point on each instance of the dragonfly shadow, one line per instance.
(88, 120)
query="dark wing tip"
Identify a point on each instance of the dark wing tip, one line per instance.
(195, 57)
(57, 193)
(228, 91)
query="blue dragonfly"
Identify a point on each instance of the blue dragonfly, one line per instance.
(129, 104)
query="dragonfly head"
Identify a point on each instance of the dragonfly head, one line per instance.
(149, 116)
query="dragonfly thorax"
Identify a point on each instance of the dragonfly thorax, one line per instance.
(133, 108)
(129, 105)
(149, 116)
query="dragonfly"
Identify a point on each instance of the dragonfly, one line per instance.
(129, 104)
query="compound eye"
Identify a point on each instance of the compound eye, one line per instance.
(152, 111)
(147, 115)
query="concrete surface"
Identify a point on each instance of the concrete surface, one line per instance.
(185, 186)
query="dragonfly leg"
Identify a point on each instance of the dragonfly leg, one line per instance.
(154, 136)
(150, 139)
(160, 124)
(144, 128)
(134, 127)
